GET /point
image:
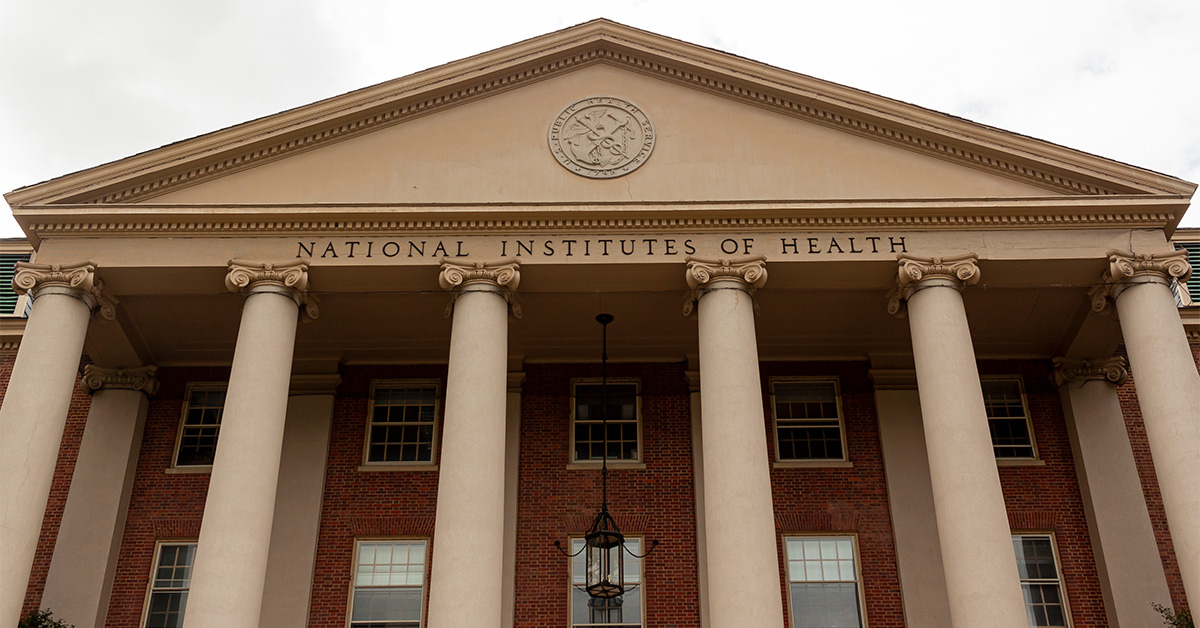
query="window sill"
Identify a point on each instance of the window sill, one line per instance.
(1020, 462)
(398, 467)
(813, 464)
(626, 465)
(206, 469)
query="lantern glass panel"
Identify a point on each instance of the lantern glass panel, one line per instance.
(622, 611)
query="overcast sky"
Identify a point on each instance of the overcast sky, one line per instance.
(86, 82)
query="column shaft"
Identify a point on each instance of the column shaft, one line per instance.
(1168, 390)
(31, 426)
(982, 582)
(80, 580)
(235, 536)
(465, 586)
(739, 519)
(1131, 574)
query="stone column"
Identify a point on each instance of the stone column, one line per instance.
(512, 464)
(80, 580)
(739, 519)
(1167, 384)
(35, 411)
(910, 496)
(235, 535)
(465, 585)
(693, 380)
(1131, 573)
(982, 582)
(287, 591)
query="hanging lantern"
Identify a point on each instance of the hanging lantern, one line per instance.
(604, 561)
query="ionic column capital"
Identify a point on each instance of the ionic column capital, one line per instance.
(76, 280)
(501, 277)
(139, 379)
(747, 274)
(1126, 269)
(1111, 370)
(917, 273)
(287, 278)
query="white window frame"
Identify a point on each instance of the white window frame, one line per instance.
(841, 419)
(637, 460)
(150, 589)
(436, 385)
(860, 589)
(1028, 417)
(1062, 586)
(572, 585)
(390, 539)
(183, 414)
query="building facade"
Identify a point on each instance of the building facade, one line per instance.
(871, 365)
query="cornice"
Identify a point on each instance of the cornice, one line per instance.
(982, 213)
(12, 329)
(188, 162)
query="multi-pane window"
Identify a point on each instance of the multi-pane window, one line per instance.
(402, 422)
(1008, 418)
(1040, 580)
(621, 401)
(389, 584)
(808, 420)
(200, 426)
(622, 611)
(823, 582)
(169, 585)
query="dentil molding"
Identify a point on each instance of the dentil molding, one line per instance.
(245, 276)
(1111, 370)
(1124, 269)
(749, 272)
(504, 275)
(78, 279)
(961, 270)
(140, 379)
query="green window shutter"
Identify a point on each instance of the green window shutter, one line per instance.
(1193, 284)
(8, 298)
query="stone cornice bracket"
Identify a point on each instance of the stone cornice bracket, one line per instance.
(1111, 370)
(501, 276)
(138, 379)
(287, 278)
(916, 273)
(747, 274)
(75, 280)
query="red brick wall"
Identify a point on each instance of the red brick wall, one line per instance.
(359, 504)
(815, 500)
(657, 502)
(1145, 467)
(1046, 498)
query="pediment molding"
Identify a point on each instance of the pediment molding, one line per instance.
(142, 177)
(1049, 212)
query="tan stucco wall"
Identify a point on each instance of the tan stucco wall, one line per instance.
(496, 150)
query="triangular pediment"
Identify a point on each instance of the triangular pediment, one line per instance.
(476, 131)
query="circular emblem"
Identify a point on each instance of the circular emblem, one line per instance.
(602, 137)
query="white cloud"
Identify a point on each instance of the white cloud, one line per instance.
(82, 83)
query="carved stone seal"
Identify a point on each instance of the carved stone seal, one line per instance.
(602, 137)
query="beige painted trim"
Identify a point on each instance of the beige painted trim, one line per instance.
(1062, 583)
(187, 396)
(780, 463)
(424, 573)
(853, 536)
(512, 467)
(391, 465)
(12, 329)
(1115, 211)
(813, 464)
(158, 545)
(693, 377)
(1036, 459)
(636, 463)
